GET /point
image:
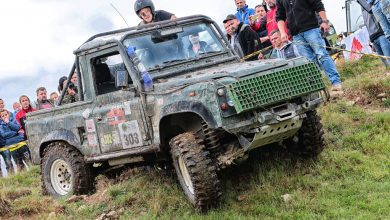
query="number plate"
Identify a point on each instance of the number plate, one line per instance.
(130, 134)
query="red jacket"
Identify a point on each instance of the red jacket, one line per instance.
(272, 24)
(21, 114)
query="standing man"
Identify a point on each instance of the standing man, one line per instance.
(243, 11)
(243, 39)
(377, 37)
(145, 10)
(303, 26)
(380, 16)
(42, 102)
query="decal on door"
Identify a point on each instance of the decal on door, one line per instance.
(130, 134)
(90, 125)
(92, 140)
(116, 116)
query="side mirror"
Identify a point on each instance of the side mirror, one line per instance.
(121, 79)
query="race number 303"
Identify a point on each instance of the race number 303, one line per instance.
(130, 134)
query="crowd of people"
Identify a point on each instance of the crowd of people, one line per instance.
(15, 154)
(292, 28)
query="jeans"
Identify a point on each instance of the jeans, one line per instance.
(7, 160)
(316, 52)
(386, 8)
(382, 47)
(381, 18)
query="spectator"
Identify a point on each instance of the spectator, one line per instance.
(145, 10)
(303, 25)
(377, 37)
(380, 17)
(5, 153)
(71, 93)
(16, 106)
(54, 96)
(42, 102)
(197, 46)
(74, 78)
(258, 24)
(243, 40)
(282, 49)
(21, 115)
(61, 83)
(271, 23)
(243, 11)
(10, 132)
(386, 8)
(1, 104)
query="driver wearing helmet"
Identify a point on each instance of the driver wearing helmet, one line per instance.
(145, 10)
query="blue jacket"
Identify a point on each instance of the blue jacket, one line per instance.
(9, 132)
(243, 14)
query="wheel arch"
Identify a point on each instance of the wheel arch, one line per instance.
(183, 116)
(60, 135)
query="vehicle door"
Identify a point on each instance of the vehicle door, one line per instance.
(119, 120)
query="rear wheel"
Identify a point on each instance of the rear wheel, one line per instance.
(309, 140)
(195, 170)
(64, 171)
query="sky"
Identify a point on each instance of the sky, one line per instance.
(39, 36)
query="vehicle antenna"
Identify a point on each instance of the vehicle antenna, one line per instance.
(119, 14)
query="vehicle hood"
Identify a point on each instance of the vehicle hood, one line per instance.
(233, 70)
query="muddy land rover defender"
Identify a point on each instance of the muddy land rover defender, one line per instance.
(204, 111)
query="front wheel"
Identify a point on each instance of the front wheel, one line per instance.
(64, 171)
(195, 170)
(309, 141)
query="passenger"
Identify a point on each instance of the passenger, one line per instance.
(197, 46)
(303, 25)
(11, 133)
(21, 115)
(145, 10)
(243, 40)
(282, 49)
(42, 102)
(243, 11)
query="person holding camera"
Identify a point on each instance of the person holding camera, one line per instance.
(71, 93)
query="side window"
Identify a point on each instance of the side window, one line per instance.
(105, 68)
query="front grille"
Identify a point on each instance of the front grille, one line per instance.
(275, 87)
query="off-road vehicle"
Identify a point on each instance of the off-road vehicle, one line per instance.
(205, 111)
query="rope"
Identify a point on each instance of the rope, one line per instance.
(326, 47)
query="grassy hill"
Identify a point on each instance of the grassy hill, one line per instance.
(350, 179)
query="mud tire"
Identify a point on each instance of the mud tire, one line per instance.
(309, 141)
(67, 163)
(196, 171)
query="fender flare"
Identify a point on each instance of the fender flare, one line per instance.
(189, 106)
(60, 135)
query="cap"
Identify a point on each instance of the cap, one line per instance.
(229, 17)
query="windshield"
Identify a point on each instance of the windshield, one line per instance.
(158, 48)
